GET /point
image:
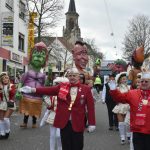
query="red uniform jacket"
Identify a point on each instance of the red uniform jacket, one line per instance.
(77, 114)
(12, 92)
(133, 98)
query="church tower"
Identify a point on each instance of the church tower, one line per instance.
(72, 31)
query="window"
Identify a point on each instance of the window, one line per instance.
(7, 29)
(9, 4)
(21, 42)
(22, 10)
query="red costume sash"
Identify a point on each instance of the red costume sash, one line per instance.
(64, 89)
(142, 108)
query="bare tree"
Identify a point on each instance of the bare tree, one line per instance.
(137, 35)
(93, 50)
(49, 12)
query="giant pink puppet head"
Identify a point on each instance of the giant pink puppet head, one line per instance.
(118, 66)
(80, 55)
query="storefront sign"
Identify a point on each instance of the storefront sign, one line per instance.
(7, 29)
(17, 58)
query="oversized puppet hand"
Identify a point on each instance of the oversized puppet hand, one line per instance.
(91, 128)
(112, 85)
(26, 89)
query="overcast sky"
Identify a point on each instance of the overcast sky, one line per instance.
(99, 18)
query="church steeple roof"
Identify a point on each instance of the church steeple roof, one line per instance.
(72, 7)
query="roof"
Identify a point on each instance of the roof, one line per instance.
(49, 40)
(72, 7)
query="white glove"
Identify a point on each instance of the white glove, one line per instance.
(91, 128)
(112, 85)
(103, 101)
(25, 89)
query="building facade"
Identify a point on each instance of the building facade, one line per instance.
(13, 36)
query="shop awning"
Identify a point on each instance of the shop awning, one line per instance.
(4, 53)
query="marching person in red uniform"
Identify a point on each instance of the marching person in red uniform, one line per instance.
(139, 101)
(7, 104)
(73, 98)
(49, 116)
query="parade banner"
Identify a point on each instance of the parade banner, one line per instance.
(7, 29)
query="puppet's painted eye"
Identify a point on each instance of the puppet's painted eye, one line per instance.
(43, 52)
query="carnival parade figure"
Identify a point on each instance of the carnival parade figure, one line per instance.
(49, 116)
(122, 109)
(80, 57)
(110, 103)
(139, 101)
(137, 62)
(7, 104)
(31, 104)
(72, 98)
(118, 66)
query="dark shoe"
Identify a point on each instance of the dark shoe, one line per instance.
(24, 125)
(116, 128)
(2, 137)
(34, 126)
(7, 135)
(123, 142)
(110, 128)
(128, 139)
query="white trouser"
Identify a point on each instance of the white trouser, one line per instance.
(42, 123)
(122, 130)
(7, 125)
(127, 121)
(55, 138)
(131, 142)
(2, 127)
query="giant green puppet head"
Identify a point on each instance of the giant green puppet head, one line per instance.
(39, 56)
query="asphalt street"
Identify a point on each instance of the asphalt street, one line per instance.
(38, 139)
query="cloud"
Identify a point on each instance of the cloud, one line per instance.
(97, 21)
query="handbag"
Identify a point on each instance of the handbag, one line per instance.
(10, 104)
(47, 101)
(51, 117)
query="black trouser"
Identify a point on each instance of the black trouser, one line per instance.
(111, 116)
(70, 139)
(141, 141)
(97, 87)
(26, 117)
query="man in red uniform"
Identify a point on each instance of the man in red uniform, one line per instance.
(139, 100)
(73, 98)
